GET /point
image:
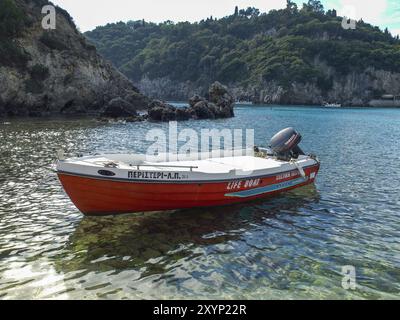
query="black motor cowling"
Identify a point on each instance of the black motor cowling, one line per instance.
(285, 144)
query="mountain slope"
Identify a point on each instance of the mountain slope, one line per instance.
(46, 72)
(284, 56)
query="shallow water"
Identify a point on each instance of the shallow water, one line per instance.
(291, 246)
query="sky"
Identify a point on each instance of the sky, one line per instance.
(89, 14)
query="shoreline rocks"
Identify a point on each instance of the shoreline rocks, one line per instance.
(118, 107)
(219, 105)
(160, 111)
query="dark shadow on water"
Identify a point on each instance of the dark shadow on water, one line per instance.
(158, 240)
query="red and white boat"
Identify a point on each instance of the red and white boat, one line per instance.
(126, 183)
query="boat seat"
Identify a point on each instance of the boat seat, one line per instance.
(135, 162)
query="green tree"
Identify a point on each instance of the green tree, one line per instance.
(332, 13)
(249, 12)
(12, 22)
(314, 6)
(291, 6)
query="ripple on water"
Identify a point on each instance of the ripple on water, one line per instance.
(291, 246)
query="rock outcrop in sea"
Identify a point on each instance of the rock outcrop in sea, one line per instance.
(218, 105)
(53, 72)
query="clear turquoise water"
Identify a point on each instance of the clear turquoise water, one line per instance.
(288, 247)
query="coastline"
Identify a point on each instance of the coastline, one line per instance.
(179, 104)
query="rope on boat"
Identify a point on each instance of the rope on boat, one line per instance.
(301, 170)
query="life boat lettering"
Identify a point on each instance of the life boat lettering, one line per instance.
(287, 175)
(243, 184)
(155, 175)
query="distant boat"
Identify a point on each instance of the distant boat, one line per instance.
(332, 105)
(244, 102)
(387, 100)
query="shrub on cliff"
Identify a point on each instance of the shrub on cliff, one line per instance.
(12, 19)
(12, 22)
(52, 42)
(33, 86)
(11, 54)
(39, 72)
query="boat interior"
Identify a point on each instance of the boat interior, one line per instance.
(217, 161)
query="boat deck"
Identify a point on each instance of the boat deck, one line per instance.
(224, 165)
(210, 165)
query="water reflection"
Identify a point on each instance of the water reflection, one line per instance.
(153, 241)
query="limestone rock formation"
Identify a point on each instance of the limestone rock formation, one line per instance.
(58, 71)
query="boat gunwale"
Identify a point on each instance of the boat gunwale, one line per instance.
(150, 181)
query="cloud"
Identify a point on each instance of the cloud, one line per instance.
(393, 16)
(383, 13)
(395, 32)
(371, 11)
(91, 13)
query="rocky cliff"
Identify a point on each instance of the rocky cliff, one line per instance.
(47, 72)
(355, 89)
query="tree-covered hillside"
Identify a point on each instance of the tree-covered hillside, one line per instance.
(305, 46)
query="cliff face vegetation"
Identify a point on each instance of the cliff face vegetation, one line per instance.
(294, 55)
(47, 72)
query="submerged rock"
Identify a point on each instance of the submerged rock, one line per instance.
(202, 110)
(183, 114)
(161, 111)
(195, 99)
(138, 118)
(119, 107)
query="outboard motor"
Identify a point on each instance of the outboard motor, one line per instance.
(285, 144)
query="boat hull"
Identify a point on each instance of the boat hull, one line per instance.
(106, 196)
